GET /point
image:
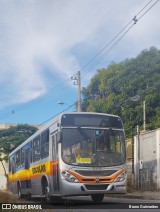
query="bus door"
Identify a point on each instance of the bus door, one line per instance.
(27, 162)
(55, 163)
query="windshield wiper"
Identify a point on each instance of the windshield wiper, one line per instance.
(83, 133)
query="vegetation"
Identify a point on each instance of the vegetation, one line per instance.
(13, 137)
(111, 89)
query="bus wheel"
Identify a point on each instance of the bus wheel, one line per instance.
(48, 197)
(19, 191)
(28, 196)
(97, 197)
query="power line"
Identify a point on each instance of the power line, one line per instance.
(135, 19)
(118, 34)
(148, 9)
(108, 51)
(57, 114)
(56, 90)
(117, 41)
(126, 29)
(144, 7)
(96, 59)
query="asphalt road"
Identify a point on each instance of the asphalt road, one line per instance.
(110, 203)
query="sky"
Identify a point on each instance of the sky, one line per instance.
(45, 43)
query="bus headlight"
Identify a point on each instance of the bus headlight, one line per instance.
(121, 177)
(69, 177)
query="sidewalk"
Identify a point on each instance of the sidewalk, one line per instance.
(151, 195)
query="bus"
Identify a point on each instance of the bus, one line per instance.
(75, 154)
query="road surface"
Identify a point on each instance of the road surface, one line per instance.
(110, 203)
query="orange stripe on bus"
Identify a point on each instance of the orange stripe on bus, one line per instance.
(27, 174)
(92, 179)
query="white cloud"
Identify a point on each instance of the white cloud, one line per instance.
(34, 33)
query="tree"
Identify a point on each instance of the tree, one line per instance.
(111, 89)
(13, 137)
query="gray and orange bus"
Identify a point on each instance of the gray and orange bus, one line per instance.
(79, 153)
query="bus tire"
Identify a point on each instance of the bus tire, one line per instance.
(48, 198)
(97, 198)
(45, 190)
(19, 190)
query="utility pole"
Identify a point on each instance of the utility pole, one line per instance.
(77, 81)
(144, 116)
(138, 146)
(79, 91)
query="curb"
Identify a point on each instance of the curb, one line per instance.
(127, 196)
(143, 196)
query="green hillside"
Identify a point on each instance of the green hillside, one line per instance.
(111, 89)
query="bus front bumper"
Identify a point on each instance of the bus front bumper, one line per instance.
(71, 189)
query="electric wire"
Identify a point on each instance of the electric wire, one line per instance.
(148, 9)
(108, 51)
(135, 19)
(86, 69)
(144, 7)
(57, 114)
(117, 41)
(116, 36)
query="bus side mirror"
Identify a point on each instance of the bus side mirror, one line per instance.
(59, 136)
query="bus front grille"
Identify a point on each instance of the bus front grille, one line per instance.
(100, 180)
(96, 173)
(96, 187)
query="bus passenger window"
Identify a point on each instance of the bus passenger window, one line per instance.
(9, 165)
(45, 144)
(12, 164)
(22, 157)
(18, 160)
(44, 151)
(36, 149)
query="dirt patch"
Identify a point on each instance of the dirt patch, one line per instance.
(7, 197)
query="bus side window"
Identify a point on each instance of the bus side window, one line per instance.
(18, 159)
(12, 164)
(55, 149)
(31, 152)
(9, 164)
(22, 157)
(27, 155)
(36, 149)
(45, 144)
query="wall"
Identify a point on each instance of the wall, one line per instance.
(3, 179)
(146, 160)
(130, 164)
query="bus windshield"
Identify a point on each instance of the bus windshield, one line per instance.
(93, 147)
